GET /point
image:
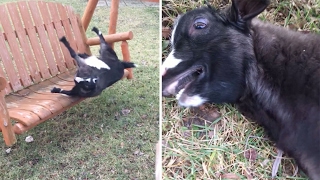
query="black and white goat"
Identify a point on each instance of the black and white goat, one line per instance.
(95, 74)
(272, 74)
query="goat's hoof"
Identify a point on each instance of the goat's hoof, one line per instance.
(63, 38)
(55, 90)
(95, 29)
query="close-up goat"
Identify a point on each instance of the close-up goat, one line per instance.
(270, 73)
(94, 74)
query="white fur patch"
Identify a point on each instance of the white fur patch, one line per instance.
(170, 62)
(174, 30)
(172, 35)
(80, 79)
(189, 101)
(93, 61)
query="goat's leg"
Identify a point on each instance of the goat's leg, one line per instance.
(66, 43)
(72, 92)
(99, 33)
(105, 49)
(73, 54)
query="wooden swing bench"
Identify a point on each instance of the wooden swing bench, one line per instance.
(33, 61)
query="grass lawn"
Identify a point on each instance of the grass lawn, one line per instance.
(112, 136)
(216, 141)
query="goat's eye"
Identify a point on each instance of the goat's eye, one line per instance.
(94, 80)
(200, 23)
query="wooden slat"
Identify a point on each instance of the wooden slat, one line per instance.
(13, 101)
(41, 91)
(60, 32)
(34, 40)
(53, 39)
(68, 33)
(15, 49)
(67, 76)
(2, 73)
(20, 128)
(45, 94)
(59, 82)
(8, 64)
(44, 40)
(25, 47)
(6, 61)
(75, 27)
(33, 94)
(25, 117)
(40, 111)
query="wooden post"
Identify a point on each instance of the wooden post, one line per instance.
(113, 18)
(5, 123)
(88, 13)
(126, 56)
(83, 36)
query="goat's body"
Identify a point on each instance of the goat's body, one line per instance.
(283, 91)
(95, 74)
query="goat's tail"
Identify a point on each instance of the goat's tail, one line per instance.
(128, 64)
(66, 43)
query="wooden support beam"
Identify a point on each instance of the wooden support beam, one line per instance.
(113, 18)
(126, 56)
(88, 13)
(111, 38)
(5, 122)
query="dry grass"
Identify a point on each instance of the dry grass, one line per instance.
(216, 141)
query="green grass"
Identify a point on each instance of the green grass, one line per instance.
(112, 136)
(216, 141)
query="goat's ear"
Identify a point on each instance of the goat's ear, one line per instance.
(245, 10)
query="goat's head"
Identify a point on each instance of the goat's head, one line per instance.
(87, 78)
(210, 49)
(86, 84)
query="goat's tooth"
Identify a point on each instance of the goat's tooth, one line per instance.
(179, 94)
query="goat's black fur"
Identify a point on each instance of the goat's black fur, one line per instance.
(92, 79)
(272, 74)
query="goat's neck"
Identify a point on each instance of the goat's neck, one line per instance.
(262, 91)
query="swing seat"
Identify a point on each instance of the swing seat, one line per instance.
(33, 61)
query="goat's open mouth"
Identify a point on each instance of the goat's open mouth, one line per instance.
(183, 80)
